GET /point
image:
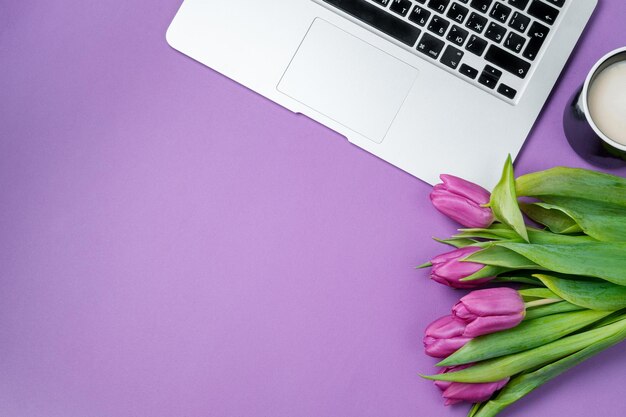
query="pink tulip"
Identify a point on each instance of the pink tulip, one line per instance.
(462, 201)
(455, 392)
(490, 310)
(479, 313)
(444, 337)
(449, 270)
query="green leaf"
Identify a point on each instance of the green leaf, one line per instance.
(499, 256)
(494, 234)
(593, 295)
(487, 272)
(534, 293)
(548, 310)
(458, 242)
(499, 368)
(474, 410)
(597, 259)
(535, 236)
(529, 334)
(504, 201)
(522, 385)
(551, 217)
(543, 237)
(573, 182)
(517, 279)
(603, 221)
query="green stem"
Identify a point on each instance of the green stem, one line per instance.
(545, 301)
(522, 385)
(550, 309)
(499, 368)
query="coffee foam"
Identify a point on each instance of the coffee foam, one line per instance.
(607, 102)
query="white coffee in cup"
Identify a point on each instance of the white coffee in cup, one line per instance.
(607, 101)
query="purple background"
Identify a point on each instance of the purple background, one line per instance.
(172, 244)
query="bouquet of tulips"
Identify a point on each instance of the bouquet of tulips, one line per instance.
(556, 291)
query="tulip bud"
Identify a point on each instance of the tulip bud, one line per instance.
(490, 310)
(462, 201)
(455, 392)
(444, 337)
(449, 270)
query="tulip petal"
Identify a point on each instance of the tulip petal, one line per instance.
(491, 324)
(490, 301)
(441, 348)
(445, 327)
(449, 271)
(463, 211)
(444, 336)
(473, 393)
(466, 188)
(454, 255)
(529, 334)
(462, 201)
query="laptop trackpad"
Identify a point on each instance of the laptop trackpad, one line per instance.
(348, 80)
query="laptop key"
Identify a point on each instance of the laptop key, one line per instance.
(507, 91)
(519, 22)
(379, 19)
(476, 22)
(400, 7)
(487, 81)
(492, 72)
(500, 12)
(537, 34)
(476, 45)
(457, 35)
(481, 5)
(520, 4)
(452, 57)
(438, 5)
(457, 13)
(468, 71)
(557, 3)
(430, 46)
(419, 15)
(543, 12)
(383, 2)
(507, 61)
(495, 32)
(514, 42)
(438, 25)
(490, 77)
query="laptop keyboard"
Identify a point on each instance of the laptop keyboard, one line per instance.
(492, 44)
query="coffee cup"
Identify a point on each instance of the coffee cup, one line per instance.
(595, 120)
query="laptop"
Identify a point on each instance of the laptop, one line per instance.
(430, 86)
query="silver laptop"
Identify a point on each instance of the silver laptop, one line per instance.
(429, 86)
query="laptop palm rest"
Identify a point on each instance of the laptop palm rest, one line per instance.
(348, 80)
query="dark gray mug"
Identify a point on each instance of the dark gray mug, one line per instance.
(582, 132)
